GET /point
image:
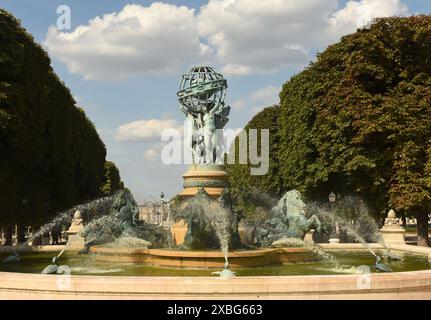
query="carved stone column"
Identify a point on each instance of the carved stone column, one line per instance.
(309, 236)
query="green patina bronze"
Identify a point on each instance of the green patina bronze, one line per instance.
(211, 223)
(288, 220)
(201, 96)
(123, 221)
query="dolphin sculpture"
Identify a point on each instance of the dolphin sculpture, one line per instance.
(388, 255)
(13, 258)
(54, 268)
(381, 266)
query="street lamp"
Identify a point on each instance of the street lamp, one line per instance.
(336, 237)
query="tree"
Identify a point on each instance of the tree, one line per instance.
(358, 121)
(112, 182)
(51, 156)
(247, 190)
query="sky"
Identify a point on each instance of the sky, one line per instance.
(122, 61)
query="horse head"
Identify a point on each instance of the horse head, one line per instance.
(293, 203)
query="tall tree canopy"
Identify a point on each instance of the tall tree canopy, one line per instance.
(51, 156)
(247, 189)
(112, 181)
(358, 120)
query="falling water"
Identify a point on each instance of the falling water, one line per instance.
(105, 225)
(314, 248)
(219, 219)
(129, 243)
(219, 216)
(64, 217)
(365, 226)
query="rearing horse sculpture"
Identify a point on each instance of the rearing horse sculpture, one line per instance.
(288, 220)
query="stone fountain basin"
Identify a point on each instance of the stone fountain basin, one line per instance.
(203, 259)
(395, 285)
(399, 285)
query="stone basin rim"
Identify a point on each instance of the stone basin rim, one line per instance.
(195, 254)
(397, 285)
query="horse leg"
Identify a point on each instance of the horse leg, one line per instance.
(314, 222)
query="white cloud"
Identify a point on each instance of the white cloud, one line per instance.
(238, 36)
(259, 99)
(136, 40)
(152, 154)
(267, 95)
(357, 14)
(144, 129)
(238, 104)
(251, 36)
(263, 36)
(236, 69)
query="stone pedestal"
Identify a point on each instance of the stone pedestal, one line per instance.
(208, 183)
(309, 236)
(178, 231)
(75, 241)
(245, 233)
(392, 232)
(393, 235)
(212, 177)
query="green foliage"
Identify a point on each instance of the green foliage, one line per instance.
(357, 121)
(51, 156)
(112, 182)
(245, 188)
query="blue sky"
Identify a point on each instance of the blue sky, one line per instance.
(124, 69)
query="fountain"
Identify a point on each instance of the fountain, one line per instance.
(204, 205)
(116, 242)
